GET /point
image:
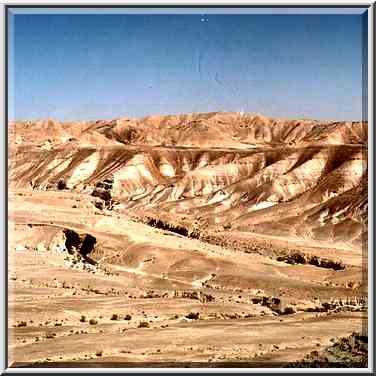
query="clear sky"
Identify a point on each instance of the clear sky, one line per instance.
(103, 66)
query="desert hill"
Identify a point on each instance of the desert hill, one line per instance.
(224, 169)
(206, 239)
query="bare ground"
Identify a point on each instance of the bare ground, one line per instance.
(161, 278)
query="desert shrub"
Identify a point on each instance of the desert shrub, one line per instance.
(288, 310)
(143, 324)
(193, 316)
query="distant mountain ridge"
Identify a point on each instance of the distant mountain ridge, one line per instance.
(224, 129)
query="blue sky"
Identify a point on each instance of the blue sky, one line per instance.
(103, 66)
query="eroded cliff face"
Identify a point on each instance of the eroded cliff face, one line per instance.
(300, 179)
